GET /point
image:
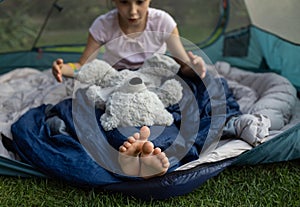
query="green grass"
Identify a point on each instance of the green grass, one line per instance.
(262, 185)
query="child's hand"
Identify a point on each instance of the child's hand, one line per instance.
(198, 64)
(57, 69)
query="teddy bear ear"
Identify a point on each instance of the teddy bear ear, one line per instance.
(93, 71)
(160, 64)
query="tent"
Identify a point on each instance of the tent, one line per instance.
(252, 35)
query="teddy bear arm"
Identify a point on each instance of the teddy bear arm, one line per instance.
(109, 122)
(170, 92)
(95, 95)
(163, 118)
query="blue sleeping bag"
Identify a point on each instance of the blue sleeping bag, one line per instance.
(82, 153)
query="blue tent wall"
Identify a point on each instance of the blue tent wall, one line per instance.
(16, 168)
(265, 52)
(283, 147)
(38, 59)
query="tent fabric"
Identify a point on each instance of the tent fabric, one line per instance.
(265, 53)
(279, 17)
(284, 147)
(33, 59)
(16, 168)
(33, 24)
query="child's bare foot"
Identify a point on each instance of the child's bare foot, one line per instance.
(130, 151)
(154, 162)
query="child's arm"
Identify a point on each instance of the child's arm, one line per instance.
(59, 68)
(91, 50)
(186, 60)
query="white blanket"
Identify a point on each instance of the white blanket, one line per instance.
(25, 88)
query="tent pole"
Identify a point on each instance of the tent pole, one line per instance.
(53, 6)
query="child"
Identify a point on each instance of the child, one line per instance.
(134, 24)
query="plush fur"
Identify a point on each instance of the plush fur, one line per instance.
(133, 98)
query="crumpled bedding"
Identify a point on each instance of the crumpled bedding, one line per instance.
(261, 93)
(25, 88)
(66, 155)
(40, 88)
(256, 93)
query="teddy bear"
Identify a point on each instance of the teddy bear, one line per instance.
(133, 97)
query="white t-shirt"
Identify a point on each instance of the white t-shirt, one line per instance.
(122, 51)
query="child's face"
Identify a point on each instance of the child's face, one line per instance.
(132, 12)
